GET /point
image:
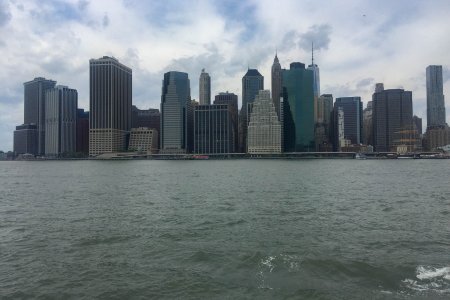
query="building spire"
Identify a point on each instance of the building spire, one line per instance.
(312, 53)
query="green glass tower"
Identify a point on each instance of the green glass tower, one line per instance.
(298, 109)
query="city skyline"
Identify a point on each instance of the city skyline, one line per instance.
(353, 50)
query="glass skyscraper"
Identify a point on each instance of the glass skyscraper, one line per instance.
(353, 118)
(435, 97)
(298, 99)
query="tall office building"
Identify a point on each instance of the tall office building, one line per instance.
(392, 112)
(277, 83)
(367, 124)
(435, 97)
(110, 88)
(418, 124)
(213, 129)
(353, 118)
(34, 107)
(323, 123)
(204, 91)
(82, 142)
(60, 120)
(264, 127)
(316, 81)
(176, 114)
(252, 83)
(231, 100)
(298, 99)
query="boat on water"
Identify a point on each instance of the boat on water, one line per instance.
(200, 157)
(360, 156)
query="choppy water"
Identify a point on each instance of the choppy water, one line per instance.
(234, 229)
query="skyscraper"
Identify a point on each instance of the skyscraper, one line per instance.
(264, 127)
(204, 88)
(316, 81)
(392, 112)
(277, 84)
(252, 83)
(435, 97)
(60, 120)
(34, 107)
(367, 124)
(231, 100)
(298, 99)
(110, 91)
(176, 114)
(26, 139)
(353, 118)
(82, 143)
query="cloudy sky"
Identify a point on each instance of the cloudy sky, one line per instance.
(358, 43)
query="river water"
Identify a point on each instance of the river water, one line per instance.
(232, 229)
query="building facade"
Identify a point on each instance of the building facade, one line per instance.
(82, 140)
(252, 83)
(34, 106)
(298, 109)
(143, 139)
(176, 114)
(367, 125)
(26, 139)
(213, 129)
(435, 97)
(264, 128)
(392, 112)
(277, 83)
(110, 92)
(61, 105)
(353, 118)
(231, 100)
(204, 91)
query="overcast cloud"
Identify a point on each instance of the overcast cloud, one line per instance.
(358, 43)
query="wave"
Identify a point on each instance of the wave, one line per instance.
(430, 279)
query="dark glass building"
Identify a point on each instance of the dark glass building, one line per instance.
(353, 119)
(148, 118)
(231, 100)
(34, 106)
(298, 110)
(213, 129)
(26, 139)
(435, 97)
(82, 139)
(176, 114)
(391, 112)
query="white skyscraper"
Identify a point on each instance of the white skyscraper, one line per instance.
(204, 88)
(264, 128)
(316, 82)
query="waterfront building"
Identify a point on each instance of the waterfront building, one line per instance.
(143, 139)
(176, 114)
(110, 90)
(231, 100)
(436, 137)
(316, 82)
(252, 83)
(277, 83)
(34, 107)
(82, 132)
(264, 128)
(435, 97)
(298, 109)
(61, 105)
(367, 124)
(204, 88)
(26, 139)
(353, 118)
(150, 118)
(392, 112)
(213, 129)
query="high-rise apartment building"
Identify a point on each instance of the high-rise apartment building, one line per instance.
(277, 83)
(298, 99)
(176, 114)
(213, 129)
(264, 127)
(435, 97)
(231, 100)
(252, 83)
(204, 88)
(353, 118)
(61, 105)
(34, 107)
(110, 91)
(392, 113)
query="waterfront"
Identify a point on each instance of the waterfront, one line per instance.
(265, 229)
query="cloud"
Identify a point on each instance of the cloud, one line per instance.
(5, 14)
(105, 21)
(317, 34)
